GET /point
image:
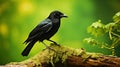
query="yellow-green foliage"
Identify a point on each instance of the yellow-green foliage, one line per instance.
(112, 29)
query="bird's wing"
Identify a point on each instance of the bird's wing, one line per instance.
(40, 29)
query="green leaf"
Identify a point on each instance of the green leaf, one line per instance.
(116, 17)
(97, 28)
(90, 41)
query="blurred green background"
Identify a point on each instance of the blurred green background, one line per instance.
(19, 17)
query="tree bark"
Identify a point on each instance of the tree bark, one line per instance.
(62, 56)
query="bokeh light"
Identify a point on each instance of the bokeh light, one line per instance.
(3, 29)
(25, 7)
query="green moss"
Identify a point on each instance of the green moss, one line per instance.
(61, 53)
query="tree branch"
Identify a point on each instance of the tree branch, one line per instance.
(67, 57)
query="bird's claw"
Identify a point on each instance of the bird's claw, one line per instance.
(54, 42)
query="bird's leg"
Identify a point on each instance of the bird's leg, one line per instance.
(53, 42)
(48, 47)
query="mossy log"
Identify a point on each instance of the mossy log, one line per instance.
(67, 57)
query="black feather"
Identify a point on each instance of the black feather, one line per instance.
(28, 48)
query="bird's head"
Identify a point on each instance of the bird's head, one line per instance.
(56, 14)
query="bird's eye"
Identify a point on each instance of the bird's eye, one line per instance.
(57, 15)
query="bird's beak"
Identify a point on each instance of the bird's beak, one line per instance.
(64, 16)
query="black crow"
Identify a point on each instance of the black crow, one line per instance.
(45, 30)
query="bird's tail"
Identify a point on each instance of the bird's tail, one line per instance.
(28, 48)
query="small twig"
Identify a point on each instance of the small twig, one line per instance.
(115, 43)
(110, 31)
(115, 34)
